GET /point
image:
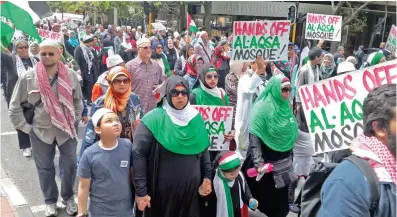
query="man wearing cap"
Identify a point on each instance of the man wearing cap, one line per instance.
(203, 47)
(56, 95)
(146, 75)
(102, 84)
(88, 61)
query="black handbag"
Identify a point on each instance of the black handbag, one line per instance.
(28, 109)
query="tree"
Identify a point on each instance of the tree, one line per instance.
(378, 27)
(208, 16)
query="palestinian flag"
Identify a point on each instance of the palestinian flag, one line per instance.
(21, 15)
(191, 25)
(7, 32)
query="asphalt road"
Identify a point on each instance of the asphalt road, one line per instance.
(22, 171)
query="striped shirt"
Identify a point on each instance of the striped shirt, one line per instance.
(144, 79)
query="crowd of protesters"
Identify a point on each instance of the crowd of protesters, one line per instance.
(145, 147)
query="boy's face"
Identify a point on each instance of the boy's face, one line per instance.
(232, 175)
(110, 126)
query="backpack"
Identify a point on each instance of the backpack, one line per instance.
(309, 197)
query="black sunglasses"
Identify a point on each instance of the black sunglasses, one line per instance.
(47, 54)
(286, 89)
(175, 93)
(212, 76)
(124, 81)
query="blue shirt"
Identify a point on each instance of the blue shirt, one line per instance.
(346, 193)
(111, 191)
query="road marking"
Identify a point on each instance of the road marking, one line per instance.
(13, 193)
(8, 133)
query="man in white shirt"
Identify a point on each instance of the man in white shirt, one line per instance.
(249, 84)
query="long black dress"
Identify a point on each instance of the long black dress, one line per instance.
(273, 202)
(171, 180)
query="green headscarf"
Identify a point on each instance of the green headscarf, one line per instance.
(377, 57)
(272, 119)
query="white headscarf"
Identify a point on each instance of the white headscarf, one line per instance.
(126, 44)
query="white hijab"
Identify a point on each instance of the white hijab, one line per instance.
(180, 117)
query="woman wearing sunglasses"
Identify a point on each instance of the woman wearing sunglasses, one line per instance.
(273, 131)
(169, 168)
(208, 93)
(159, 56)
(23, 62)
(121, 101)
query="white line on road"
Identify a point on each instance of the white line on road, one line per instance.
(13, 193)
(8, 133)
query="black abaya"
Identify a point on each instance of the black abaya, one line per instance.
(171, 180)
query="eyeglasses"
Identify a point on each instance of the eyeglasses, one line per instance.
(47, 54)
(124, 81)
(175, 93)
(212, 76)
(286, 89)
(25, 47)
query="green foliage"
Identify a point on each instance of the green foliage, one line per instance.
(123, 7)
(358, 23)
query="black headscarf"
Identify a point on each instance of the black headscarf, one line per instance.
(172, 82)
(203, 72)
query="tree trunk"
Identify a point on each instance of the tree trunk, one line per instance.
(375, 29)
(208, 17)
(182, 17)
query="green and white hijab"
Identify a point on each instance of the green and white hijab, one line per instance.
(181, 131)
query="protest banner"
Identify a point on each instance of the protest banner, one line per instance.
(326, 27)
(266, 38)
(334, 107)
(159, 26)
(218, 121)
(391, 44)
(46, 34)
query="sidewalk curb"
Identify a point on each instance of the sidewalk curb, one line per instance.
(14, 196)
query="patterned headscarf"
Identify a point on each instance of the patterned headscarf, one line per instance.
(190, 65)
(114, 100)
(326, 71)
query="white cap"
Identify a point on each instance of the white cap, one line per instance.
(344, 67)
(98, 115)
(50, 43)
(143, 41)
(114, 60)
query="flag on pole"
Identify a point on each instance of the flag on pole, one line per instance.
(23, 17)
(7, 32)
(191, 25)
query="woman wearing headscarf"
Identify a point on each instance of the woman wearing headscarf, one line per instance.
(107, 51)
(221, 62)
(373, 59)
(170, 168)
(193, 65)
(23, 63)
(180, 65)
(72, 42)
(237, 70)
(207, 93)
(126, 50)
(34, 50)
(328, 67)
(68, 59)
(96, 45)
(273, 131)
(161, 58)
(121, 101)
(172, 54)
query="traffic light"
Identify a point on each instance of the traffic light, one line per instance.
(292, 13)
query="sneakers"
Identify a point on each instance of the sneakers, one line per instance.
(51, 210)
(71, 206)
(294, 208)
(27, 152)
